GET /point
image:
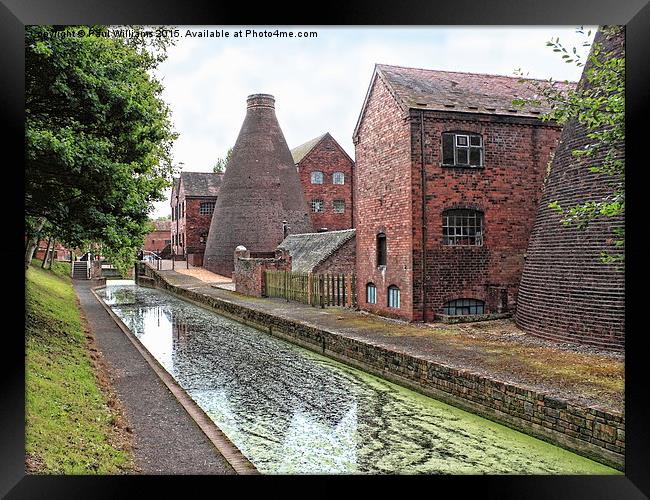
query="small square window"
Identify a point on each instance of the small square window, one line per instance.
(339, 206)
(462, 140)
(317, 177)
(317, 206)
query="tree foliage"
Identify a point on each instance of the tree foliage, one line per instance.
(598, 104)
(221, 163)
(98, 137)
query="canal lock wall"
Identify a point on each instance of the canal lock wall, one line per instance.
(596, 434)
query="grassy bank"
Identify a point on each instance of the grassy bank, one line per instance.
(72, 426)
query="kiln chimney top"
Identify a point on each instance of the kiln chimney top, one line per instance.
(260, 101)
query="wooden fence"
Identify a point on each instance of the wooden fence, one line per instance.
(318, 290)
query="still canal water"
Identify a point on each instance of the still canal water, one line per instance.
(293, 411)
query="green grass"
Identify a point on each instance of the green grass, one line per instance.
(69, 425)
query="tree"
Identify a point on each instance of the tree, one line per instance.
(221, 163)
(98, 137)
(598, 104)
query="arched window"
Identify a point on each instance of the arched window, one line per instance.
(393, 297)
(338, 178)
(462, 227)
(317, 177)
(462, 149)
(371, 293)
(381, 249)
(463, 307)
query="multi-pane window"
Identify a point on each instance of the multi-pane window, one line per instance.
(393, 297)
(381, 249)
(206, 208)
(371, 293)
(317, 206)
(317, 177)
(462, 149)
(463, 307)
(462, 227)
(338, 178)
(339, 206)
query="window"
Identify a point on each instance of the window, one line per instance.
(393, 296)
(339, 206)
(381, 249)
(168, 242)
(463, 307)
(371, 293)
(206, 208)
(465, 150)
(317, 177)
(462, 227)
(338, 178)
(317, 206)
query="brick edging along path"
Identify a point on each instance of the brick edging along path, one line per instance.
(597, 434)
(167, 438)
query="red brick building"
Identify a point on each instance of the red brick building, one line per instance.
(193, 198)
(159, 238)
(326, 174)
(60, 252)
(448, 176)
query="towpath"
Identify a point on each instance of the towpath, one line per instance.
(166, 439)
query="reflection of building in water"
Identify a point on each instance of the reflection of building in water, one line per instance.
(157, 334)
(267, 390)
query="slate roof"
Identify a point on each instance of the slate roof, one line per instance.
(163, 225)
(299, 152)
(201, 183)
(307, 250)
(457, 91)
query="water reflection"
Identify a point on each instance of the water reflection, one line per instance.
(292, 411)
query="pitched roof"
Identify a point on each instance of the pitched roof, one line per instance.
(299, 152)
(466, 92)
(201, 183)
(163, 225)
(416, 88)
(307, 250)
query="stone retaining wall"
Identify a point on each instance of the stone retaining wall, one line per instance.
(588, 431)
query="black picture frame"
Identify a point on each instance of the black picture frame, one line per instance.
(634, 14)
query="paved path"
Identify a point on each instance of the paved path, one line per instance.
(166, 439)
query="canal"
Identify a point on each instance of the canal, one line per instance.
(293, 411)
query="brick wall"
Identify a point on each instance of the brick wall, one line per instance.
(382, 181)
(567, 293)
(328, 157)
(389, 188)
(342, 261)
(249, 271)
(156, 241)
(193, 226)
(507, 190)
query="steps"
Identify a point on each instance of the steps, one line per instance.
(80, 270)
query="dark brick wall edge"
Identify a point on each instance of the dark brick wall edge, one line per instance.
(589, 432)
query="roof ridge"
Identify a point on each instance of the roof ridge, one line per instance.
(380, 65)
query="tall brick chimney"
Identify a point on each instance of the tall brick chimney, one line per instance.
(567, 293)
(260, 189)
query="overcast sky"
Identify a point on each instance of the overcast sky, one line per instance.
(319, 83)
